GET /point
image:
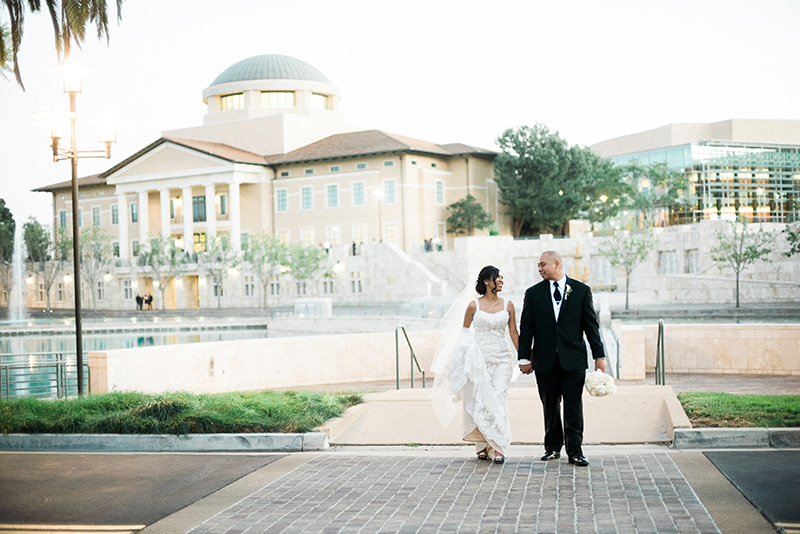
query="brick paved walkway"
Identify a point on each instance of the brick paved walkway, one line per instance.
(337, 493)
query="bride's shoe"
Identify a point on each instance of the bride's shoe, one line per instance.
(499, 459)
(483, 455)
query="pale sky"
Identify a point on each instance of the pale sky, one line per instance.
(441, 71)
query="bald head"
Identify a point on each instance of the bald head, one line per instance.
(551, 266)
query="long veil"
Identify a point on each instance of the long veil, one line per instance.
(445, 404)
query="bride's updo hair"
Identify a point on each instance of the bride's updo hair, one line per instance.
(490, 272)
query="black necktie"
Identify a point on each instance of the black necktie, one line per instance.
(557, 294)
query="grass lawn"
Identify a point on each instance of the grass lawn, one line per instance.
(727, 410)
(175, 413)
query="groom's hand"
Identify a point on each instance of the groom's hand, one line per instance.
(526, 368)
(600, 364)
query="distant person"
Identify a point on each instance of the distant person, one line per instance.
(149, 301)
(139, 301)
(556, 314)
(437, 244)
(476, 365)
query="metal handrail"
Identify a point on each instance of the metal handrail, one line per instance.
(661, 378)
(413, 357)
(49, 379)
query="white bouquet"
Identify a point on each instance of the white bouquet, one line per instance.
(599, 384)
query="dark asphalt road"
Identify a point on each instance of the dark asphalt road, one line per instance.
(112, 489)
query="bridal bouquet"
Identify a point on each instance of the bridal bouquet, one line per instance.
(599, 384)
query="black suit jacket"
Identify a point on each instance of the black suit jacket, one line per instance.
(541, 338)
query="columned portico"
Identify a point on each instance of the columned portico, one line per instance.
(144, 219)
(188, 230)
(211, 213)
(124, 244)
(235, 216)
(165, 219)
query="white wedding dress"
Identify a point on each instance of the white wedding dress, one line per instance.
(478, 372)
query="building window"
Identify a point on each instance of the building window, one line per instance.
(274, 288)
(355, 282)
(309, 171)
(101, 290)
(41, 292)
(332, 195)
(283, 237)
(358, 193)
(693, 261)
(62, 218)
(232, 101)
(281, 200)
(277, 99)
(223, 205)
(335, 168)
(134, 212)
(319, 101)
(390, 232)
(361, 166)
(199, 242)
(135, 247)
(668, 262)
(172, 209)
(96, 216)
(217, 290)
(413, 162)
(307, 198)
(60, 291)
(284, 174)
(115, 214)
(440, 192)
(80, 217)
(327, 287)
(249, 286)
(100, 194)
(307, 236)
(388, 163)
(359, 233)
(433, 165)
(199, 209)
(389, 192)
(333, 235)
(127, 290)
(115, 249)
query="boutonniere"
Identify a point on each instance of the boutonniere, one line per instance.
(567, 292)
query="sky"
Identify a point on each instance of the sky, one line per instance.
(439, 70)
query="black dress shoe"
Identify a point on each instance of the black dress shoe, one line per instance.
(578, 460)
(551, 455)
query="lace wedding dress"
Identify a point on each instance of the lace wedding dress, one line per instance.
(478, 372)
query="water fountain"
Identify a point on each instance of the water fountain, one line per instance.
(16, 305)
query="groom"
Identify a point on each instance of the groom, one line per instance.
(556, 314)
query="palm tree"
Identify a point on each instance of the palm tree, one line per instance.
(69, 17)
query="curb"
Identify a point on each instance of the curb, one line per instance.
(736, 438)
(311, 441)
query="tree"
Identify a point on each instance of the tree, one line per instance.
(164, 261)
(466, 215)
(306, 262)
(94, 249)
(543, 182)
(625, 250)
(739, 247)
(664, 190)
(216, 260)
(266, 255)
(7, 228)
(47, 257)
(793, 237)
(69, 17)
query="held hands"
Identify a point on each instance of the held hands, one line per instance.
(600, 364)
(526, 368)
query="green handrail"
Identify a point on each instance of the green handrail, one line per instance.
(414, 360)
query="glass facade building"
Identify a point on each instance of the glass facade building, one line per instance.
(729, 179)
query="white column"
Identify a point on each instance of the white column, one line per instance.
(235, 216)
(165, 228)
(188, 231)
(124, 245)
(144, 220)
(211, 213)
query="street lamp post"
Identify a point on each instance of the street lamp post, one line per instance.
(72, 86)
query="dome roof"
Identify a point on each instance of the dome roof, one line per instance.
(270, 67)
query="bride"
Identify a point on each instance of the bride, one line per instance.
(475, 365)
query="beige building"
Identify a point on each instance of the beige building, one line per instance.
(273, 155)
